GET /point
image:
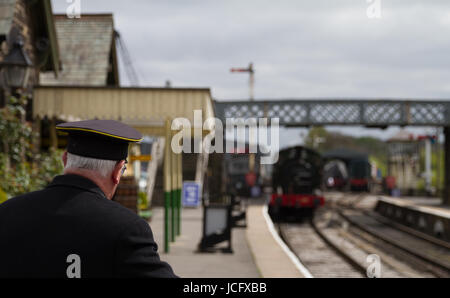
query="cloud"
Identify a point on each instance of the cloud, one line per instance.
(324, 48)
(299, 48)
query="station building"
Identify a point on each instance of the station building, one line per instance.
(88, 88)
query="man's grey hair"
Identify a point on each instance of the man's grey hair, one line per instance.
(101, 166)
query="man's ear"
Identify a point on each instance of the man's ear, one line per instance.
(117, 173)
(64, 158)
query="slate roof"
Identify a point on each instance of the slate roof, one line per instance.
(85, 45)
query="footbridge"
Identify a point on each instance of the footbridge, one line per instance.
(367, 112)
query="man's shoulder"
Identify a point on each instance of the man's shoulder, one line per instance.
(83, 205)
(20, 199)
(110, 216)
(114, 210)
(88, 204)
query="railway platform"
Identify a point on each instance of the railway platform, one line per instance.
(425, 215)
(256, 252)
(273, 258)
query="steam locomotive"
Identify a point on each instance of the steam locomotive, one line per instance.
(335, 175)
(353, 173)
(296, 183)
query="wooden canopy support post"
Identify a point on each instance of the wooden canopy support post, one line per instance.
(179, 189)
(167, 184)
(174, 204)
(156, 155)
(53, 135)
(446, 196)
(202, 166)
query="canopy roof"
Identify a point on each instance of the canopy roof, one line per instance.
(146, 109)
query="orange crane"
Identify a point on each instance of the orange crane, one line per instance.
(251, 71)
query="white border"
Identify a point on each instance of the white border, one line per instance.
(283, 245)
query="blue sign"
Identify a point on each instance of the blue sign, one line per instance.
(191, 194)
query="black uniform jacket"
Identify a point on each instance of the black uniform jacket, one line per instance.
(39, 230)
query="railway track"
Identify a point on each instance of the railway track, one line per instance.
(335, 245)
(424, 254)
(320, 258)
(337, 242)
(359, 244)
(330, 251)
(427, 254)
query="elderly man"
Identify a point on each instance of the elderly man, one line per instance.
(72, 228)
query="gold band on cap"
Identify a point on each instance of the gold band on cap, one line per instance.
(99, 132)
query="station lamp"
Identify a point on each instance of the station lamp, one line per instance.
(16, 65)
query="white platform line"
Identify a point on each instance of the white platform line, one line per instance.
(283, 245)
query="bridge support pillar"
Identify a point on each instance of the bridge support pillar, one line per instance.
(446, 197)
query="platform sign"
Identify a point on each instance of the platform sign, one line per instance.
(255, 191)
(191, 194)
(140, 158)
(217, 224)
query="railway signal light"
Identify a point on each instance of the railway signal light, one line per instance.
(251, 71)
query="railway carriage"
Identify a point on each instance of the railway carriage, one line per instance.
(360, 174)
(239, 173)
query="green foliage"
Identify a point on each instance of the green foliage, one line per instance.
(23, 169)
(316, 138)
(3, 196)
(49, 165)
(380, 164)
(420, 185)
(437, 160)
(15, 134)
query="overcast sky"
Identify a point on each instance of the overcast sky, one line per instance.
(299, 48)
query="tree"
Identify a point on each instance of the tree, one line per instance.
(316, 138)
(322, 140)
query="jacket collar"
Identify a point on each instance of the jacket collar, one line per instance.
(77, 181)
